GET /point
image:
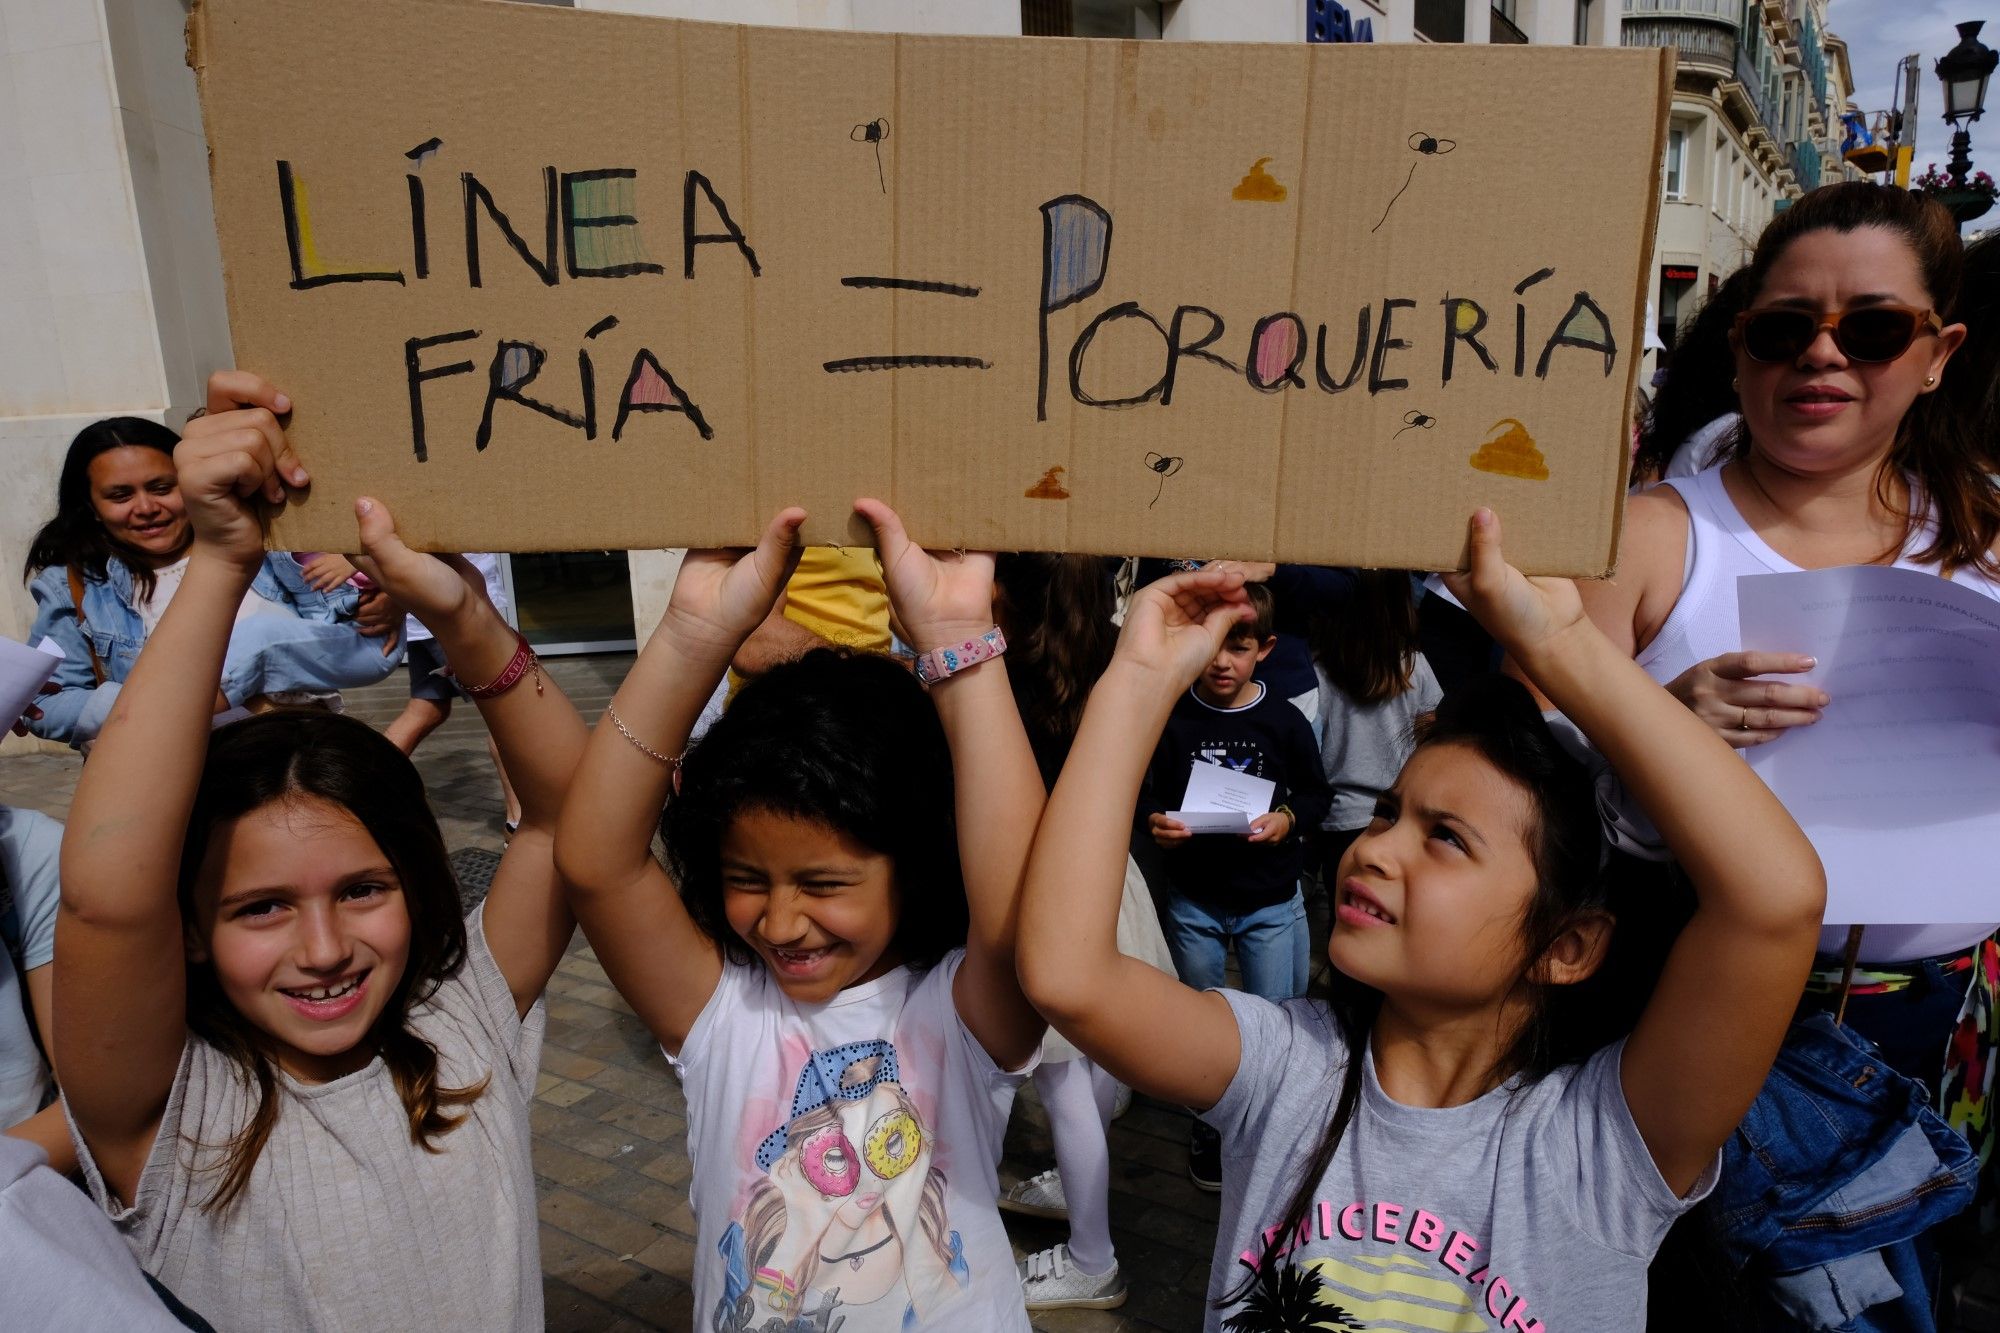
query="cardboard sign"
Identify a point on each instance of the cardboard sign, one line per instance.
(544, 279)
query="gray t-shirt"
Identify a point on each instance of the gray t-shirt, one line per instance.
(1534, 1208)
(345, 1224)
(1363, 747)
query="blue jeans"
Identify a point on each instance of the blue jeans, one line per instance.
(1272, 947)
(1832, 1182)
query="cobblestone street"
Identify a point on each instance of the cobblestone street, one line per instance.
(611, 1161)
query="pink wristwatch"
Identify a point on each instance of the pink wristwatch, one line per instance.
(938, 663)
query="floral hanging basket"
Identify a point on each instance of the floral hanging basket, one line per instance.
(1967, 202)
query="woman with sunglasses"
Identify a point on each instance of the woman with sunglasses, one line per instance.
(1847, 455)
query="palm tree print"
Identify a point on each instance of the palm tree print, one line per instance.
(1287, 1299)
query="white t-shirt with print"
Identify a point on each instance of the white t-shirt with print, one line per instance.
(845, 1159)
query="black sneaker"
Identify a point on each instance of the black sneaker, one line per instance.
(1205, 1159)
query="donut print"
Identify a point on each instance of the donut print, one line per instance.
(892, 1144)
(830, 1164)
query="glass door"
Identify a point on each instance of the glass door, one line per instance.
(572, 601)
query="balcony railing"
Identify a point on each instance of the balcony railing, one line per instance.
(1702, 45)
(1721, 11)
(1806, 163)
(1754, 84)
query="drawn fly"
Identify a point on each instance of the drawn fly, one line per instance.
(1416, 421)
(1424, 145)
(1165, 465)
(874, 132)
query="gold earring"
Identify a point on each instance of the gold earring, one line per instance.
(1734, 384)
(1930, 381)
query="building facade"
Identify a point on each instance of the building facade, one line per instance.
(1755, 124)
(111, 293)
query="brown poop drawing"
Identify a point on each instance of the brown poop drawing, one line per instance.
(1512, 454)
(1050, 487)
(1259, 185)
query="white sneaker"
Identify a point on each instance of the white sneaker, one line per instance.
(1050, 1281)
(1038, 1196)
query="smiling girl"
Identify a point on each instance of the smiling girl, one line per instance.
(830, 967)
(1443, 1145)
(298, 1079)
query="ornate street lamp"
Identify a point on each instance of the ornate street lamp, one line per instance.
(1964, 71)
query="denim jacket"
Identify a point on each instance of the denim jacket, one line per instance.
(112, 626)
(1838, 1167)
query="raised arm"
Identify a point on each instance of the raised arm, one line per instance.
(996, 787)
(120, 997)
(537, 730)
(1149, 1030)
(1708, 1037)
(656, 956)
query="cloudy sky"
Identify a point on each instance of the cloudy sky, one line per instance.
(1880, 32)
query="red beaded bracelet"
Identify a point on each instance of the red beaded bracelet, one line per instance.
(523, 662)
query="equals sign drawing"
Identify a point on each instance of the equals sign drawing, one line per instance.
(915, 360)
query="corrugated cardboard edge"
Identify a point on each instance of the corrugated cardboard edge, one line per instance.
(1668, 60)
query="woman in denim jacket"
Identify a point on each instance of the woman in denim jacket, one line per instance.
(116, 546)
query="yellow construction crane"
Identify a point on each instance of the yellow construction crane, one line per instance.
(1890, 142)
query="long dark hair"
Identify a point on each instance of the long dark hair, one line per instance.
(1937, 443)
(290, 756)
(840, 738)
(1701, 379)
(1368, 648)
(75, 537)
(1495, 717)
(1056, 611)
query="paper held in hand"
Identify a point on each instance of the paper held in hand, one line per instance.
(23, 672)
(1898, 783)
(1222, 800)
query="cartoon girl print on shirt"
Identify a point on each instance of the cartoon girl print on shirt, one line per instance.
(848, 1221)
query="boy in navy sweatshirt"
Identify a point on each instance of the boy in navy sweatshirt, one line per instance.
(1237, 889)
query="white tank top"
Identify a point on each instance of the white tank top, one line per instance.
(1722, 546)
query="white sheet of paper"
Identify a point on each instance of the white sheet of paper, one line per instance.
(1222, 800)
(1898, 783)
(1213, 821)
(23, 672)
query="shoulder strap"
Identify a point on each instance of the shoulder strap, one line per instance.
(76, 600)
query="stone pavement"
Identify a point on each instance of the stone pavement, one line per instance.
(611, 1161)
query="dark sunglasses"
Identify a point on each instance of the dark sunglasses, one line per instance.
(1865, 333)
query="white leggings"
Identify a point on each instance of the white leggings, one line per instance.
(1078, 1097)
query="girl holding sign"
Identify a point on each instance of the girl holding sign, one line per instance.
(1848, 456)
(1444, 1132)
(830, 964)
(298, 1078)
